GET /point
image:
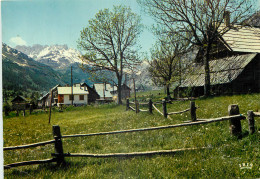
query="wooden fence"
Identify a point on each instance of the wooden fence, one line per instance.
(235, 126)
(251, 120)
(166, 114)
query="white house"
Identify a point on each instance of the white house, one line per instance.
(105, 91)
(80, 95)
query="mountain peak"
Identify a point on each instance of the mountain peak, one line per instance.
(56, 56)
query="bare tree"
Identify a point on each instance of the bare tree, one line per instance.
(110, 42)
(165, 67)
(201, 19)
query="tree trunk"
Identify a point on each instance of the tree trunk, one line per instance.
(168, 92)
(206, 59)
(119, 94)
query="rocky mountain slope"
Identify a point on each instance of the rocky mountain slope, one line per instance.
(22, 73)
(56, 56)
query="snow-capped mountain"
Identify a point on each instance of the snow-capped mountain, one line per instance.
(56, 56)
(22, 73)
(142, 77)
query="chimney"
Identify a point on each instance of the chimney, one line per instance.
(227, 18)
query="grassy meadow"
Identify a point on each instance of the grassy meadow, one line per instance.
(221, 161)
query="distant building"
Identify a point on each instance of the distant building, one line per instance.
(108, 92)
(125, 91)
(93, 95)
(44, 101)
(79, 97)
(105, 91)
(20, 102)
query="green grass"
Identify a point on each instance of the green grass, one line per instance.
(222, 161)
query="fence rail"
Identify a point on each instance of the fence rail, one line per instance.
(257, 114)
(179, 112)
(133, 154)
(201, 121)
(29, 145)
(32, 162)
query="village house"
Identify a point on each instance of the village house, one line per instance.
(108, 92)
(75, 96)
(105, 91)
(44, 101)
(235, 64)
(93, 95)
(125, 91)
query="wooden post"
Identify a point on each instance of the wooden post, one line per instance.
(150, 104)
(193, 111)
(24, 112)
(251, 121)
(31, 108)
(127, 104)
(50, 106)
(58, 144)
(164, 108)
(134, 88)
(17, 111)
(137, 106)
(234, 124)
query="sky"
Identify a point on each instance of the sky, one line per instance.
(50, 22)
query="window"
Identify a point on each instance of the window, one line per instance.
(71, 97)
(81, 97)
(60, 98)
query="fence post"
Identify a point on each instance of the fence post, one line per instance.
(58, 144)
(234, 124)
(17, 111)
(251, 121)
(137, 106)
(24, 112)
(193, 111)
(31, 108)
(164, 108)
(127, 104)
(150, 104)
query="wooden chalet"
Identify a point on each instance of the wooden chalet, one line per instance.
(93, 95)
(105, 91)
(235, 64)
(44, 101)
(125, 91)
(108, 92)
(20, 102)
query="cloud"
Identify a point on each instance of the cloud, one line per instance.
(18, 41)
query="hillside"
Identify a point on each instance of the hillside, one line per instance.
(22, 73)
(223, 157)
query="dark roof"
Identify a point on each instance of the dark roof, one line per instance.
(19, 98)
(222, 70)
(124, 86)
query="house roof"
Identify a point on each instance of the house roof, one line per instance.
(19, 98)
(47, 94)
(124, 86)
(222, 70)
(242, 38)
(76, 90)
(99, 87)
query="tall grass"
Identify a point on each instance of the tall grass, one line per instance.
(221, 161)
